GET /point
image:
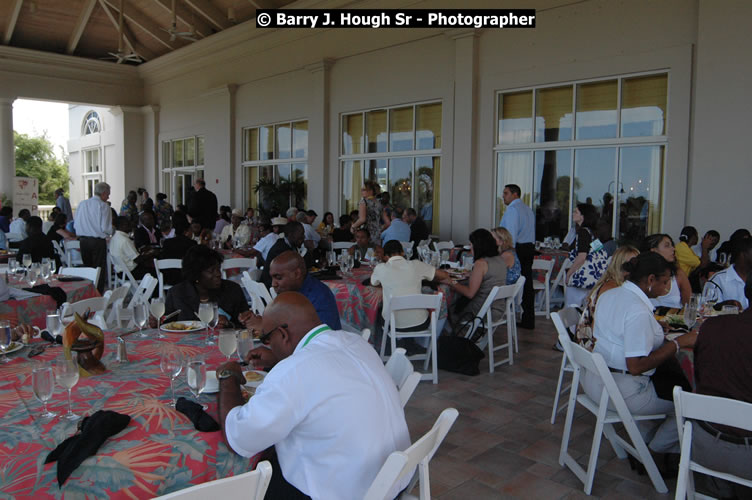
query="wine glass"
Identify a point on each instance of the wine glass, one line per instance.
(710, 295)
(43, 385)
(66, 375)
(171, 364)
(26, 260)
(206, 314)
(32, 275)
(343, 263)
(228, 343)
(157, 310)
(5, 338)
(141, 316)
(54, 324)
(690, 311)
(46, 268)
(195, 375)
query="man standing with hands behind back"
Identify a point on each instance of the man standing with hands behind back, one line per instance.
(519, 220)
(93, 226)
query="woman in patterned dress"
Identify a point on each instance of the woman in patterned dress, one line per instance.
(369, 212)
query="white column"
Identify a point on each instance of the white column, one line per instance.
(320, 198)
(7, 153)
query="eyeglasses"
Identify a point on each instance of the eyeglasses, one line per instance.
(265, 338)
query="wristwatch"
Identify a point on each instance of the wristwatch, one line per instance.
(227, 373)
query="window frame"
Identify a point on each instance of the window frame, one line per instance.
(91, 117)
(168, 173)
(97, 176)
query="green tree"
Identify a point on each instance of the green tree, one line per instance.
(35, 157)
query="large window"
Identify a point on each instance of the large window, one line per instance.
(399, 148)
(275, 166)
(92, 170)
(601, 142)
(182, 164)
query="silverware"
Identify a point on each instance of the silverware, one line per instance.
(127, 333)
(173, 313)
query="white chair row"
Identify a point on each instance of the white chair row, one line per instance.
(89, 273)
(257, 291)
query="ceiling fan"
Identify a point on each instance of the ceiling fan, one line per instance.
(120, 56)
(189, 35)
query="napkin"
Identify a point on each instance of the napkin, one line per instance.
(55, 292)
(202, 421)
(94, 431)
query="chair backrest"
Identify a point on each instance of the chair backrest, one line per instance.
(121, 268)
(544, 265)
(260, 296)
(424, 243)
(143, 291)
(95, 305)
(407, 245)
(366, 334)
(239, 263)
(559, 280)
(59, 251)
(115, 300)
(342, 245)
(564, 320)
(712, 409)
(71, 248)
(89, 273)
(443, 245)
(400, 463)
(403, 373)
(162, 264)
(249, 485)
(416, 301)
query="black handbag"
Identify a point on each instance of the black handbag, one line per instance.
(459, 355)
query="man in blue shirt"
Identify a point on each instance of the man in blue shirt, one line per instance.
(398, 229)
(519, 220)
(289, 274)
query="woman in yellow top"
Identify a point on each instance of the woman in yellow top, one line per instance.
(686, 258)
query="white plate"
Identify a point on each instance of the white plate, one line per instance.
(255, 383)
(14, 346)
(193, 326)
(212, 384)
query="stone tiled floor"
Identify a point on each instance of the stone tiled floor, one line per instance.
(503, 444)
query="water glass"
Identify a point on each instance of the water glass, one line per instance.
(171, 364)
(331, 258)
(46, 269)
(54, 324)
(12, 266)
(66, 375)
(141, 316)
(157, 309)
(27, 260)
(228, 343)
(32, 276)
(43, 385)
(195, 376)
(444, 256)
(245, 343)
(5, 338)
(356, 254)
(467, 262)
(690, 311)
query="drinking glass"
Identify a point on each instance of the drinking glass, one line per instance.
(245, 343)
(46, 269)
(5, 338)
(467, 262)
(66, 375)
(171, 364)
(141, 316)
(444, 256)
(43, 385)
(195, 375)
(228, 343)
(356, 254)
(206, 314)
(710, 295)
(54, 324)
(343, 263)
(215, 320)
(32, 276)
(27, 260)
(690, 311)
(12, 266)
(331, 258)
(157, 310)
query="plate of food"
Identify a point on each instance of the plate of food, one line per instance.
(675, 321)
(182, 326)
(253, 378)
(13, 347)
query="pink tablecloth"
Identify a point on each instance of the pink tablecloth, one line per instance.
(158, 452)
(34, 310)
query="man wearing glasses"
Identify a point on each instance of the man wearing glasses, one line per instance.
(328, 407)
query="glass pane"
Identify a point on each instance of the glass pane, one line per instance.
(177, 153)
(251, 144)
(643, 106)
(596, 110)
(352, 181)
(352, 134)
(266, 143)
(376, 171)
(595, 179)
(428, 126)
(200, 153)
(251, 179)
(166, 155)
(166, 188)
(299, 183)
(179, 187)
(553, 170)
(401, 129)
(199, 175)
(513, 168)
(282, 172)
(283, 137)
(640, 176)
(376, 131)
(427, 180)
(553, 118)
(300, 139)
(190, 152)
(401, 182)
(516, 117)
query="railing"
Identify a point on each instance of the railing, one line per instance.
(44, 211)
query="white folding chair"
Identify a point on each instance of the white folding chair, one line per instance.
(159, 266)
(484, 319)
(72, 253)
(712, 409)
(260, 296)
(407, 245)
(366, 334)
(544, 288)
(125, 275)
(593, 363)
(89, 273)
(14, 237)
(141, 294)
(443, 245)
(59, 251)
(418, 301)
(115, 299)
(95, 305)
(403, 373)
(424, 243)
(400, 463)
(338, 246)
(563, 321)
(239, 263)
(249, 485)
(559, 284)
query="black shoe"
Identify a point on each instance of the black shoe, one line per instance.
(636, 465)
(558, 347)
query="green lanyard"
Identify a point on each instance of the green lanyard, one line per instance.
(316, 332)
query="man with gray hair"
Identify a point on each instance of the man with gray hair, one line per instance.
(63, 203)
(291, 213)
(93, 223)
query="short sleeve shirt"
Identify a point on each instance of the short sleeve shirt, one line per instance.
(399, 277)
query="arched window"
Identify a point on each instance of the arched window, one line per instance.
(92, 124)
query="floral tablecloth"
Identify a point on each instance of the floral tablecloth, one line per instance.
(34, 310)
(157, 453)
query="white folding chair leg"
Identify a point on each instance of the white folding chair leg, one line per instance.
(560, 390)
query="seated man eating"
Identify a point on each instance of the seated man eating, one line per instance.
(329, 407)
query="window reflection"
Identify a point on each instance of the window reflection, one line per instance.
(513, 168)
(401, 181)
(640, 173)
(551, 198)
(594, 179)
(643, 106)
(553, 117)
(596, 110)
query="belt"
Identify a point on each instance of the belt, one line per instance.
(724, 436)
(90, 238)
(617, 370)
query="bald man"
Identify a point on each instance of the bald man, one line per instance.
(328, 406)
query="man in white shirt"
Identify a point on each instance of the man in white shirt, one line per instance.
(710, 240)
(312, 238)
(18, 226)
(328, 406)
(731, 281)
(93, 222)
(270, 233)
(123, 247)
(235, 232)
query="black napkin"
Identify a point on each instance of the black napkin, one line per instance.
(55, 292)
(65, 279)
(94, 431)
(202, 421)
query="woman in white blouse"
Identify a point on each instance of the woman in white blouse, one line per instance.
(679, 291)
(633, 345)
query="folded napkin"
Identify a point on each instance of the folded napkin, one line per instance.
(202, 421)
(55, 292)
(93, 431)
